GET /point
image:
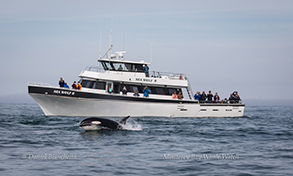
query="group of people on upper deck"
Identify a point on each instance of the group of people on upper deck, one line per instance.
(210, 98)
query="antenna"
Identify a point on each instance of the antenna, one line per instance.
(109, 54)
(151, 52)
(111, 44)
(100, 53)
(124, 42)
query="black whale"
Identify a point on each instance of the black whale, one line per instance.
(95, 123)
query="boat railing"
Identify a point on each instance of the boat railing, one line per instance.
(176, 76)
(38, 84)
(221, 102)
(153, 74)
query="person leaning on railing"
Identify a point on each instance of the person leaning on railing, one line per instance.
(237, 98)
(210, 97)
(231, 99)
(203, 97)
(216, 98)
(73, 85)
(78, 86)
(146, 91)
(234, 97)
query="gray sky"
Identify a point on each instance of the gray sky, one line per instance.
(221, 45)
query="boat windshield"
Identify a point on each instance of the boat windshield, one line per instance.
(118, 66)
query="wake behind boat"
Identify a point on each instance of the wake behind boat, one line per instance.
(122, 88)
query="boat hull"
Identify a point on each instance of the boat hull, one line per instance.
(67, 102)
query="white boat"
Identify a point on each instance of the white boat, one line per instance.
(94, 99)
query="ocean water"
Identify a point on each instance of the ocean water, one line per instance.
(260, 143)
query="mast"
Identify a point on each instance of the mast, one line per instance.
(151, 52)
(109, 51)
(100, 52)
(111, 44)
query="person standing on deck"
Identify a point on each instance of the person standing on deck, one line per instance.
(78, 86)
(73, 85)
(237, 98)
(203, 97)
(146, 70)
(146, 92)
(61, 82)
(210, 97)
(216, 98)
(197, 96)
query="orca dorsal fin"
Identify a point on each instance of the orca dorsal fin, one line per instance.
(123, 121)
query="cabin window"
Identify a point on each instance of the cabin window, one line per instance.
(164, 91)
(87, 84)
(116, 87)
(129, 67)
(106, 65)
(138, 68)
(171, 91)
(154, 90)
(93, 84)
(100, 85)
(160, 90)
(133, 88)
(140, 89)
(120, 66)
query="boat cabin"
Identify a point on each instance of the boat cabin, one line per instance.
(122, 66)
(119, 73)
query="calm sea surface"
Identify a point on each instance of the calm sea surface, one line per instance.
(260, 143)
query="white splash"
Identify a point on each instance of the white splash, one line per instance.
(132, 125)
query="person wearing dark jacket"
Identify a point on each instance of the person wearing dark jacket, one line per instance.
(124, 90)
(203, 97)
(210, 97)
(237, 98)
(216, 98)
(231, 99)
(73, 85)
(61, 82)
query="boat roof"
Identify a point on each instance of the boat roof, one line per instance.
(124, 61)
